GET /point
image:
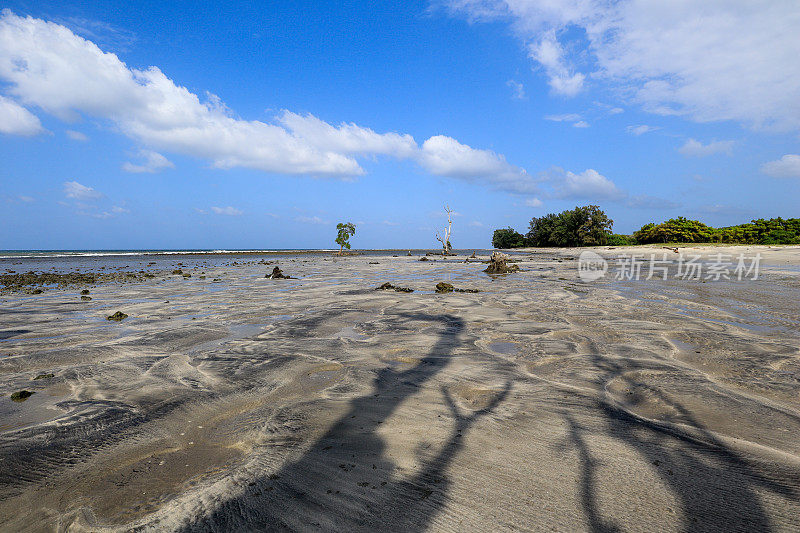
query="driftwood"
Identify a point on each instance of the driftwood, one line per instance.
(671, 248)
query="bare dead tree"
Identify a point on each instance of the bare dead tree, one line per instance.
(445, 239)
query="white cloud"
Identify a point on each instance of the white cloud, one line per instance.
(787, 166)
(576, 120)
(152, 162)
(588, 184)
(641, 129)
(76, 135)
(46, 65)
(389, 223)
(693, 148)
(518, 90)
(533, 202)
(550, 54)
(310, 220)
(711, 60)
(76, 191)
(26, 199)
(475, 224)
(16, 120)
(444, 156)
(228, 211)
(118, 210)
(566, 117)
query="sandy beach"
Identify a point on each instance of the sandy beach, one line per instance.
(230, 401)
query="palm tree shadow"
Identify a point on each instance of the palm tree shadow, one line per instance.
(346, 481)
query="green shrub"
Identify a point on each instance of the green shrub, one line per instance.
(582, 226)
(616, 239)
(507, 238)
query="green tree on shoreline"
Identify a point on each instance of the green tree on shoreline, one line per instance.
(346, 230)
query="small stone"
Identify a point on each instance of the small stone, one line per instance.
(85, 291)
(86, 298)
(118, 316)
(44, 376)
(21, 396)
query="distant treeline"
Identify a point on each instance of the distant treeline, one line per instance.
(590, 226)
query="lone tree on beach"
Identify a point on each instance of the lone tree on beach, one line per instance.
(445, 239)
(346, 230)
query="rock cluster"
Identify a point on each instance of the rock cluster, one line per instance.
(443, 287)
(389, 287)
(498, 264)
(277, 274)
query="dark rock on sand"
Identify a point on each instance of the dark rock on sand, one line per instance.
(498, 264)
(423, 258)
(177, 271)
(44, 376)
(389, 287)
(86, 298)
(85, 291)
(118, 316)
(21, 396)
(443, 287)
(277, 274)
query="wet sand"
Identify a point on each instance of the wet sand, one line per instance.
(541, 402)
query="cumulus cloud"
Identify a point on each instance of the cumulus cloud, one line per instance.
(533, 202)
(16, 120)
(152, 162)
(228, 211)
(76, 191)
(787, 166)
(587, 184)
(76, 135)
(444, 156)
(712, 60)
(693, 148)
(46, 65)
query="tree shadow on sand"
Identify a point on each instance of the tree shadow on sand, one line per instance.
(716, 487)
(346, 481)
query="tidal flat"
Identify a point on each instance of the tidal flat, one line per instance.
(226, 400)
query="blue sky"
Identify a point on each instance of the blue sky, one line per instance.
(192, 125)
